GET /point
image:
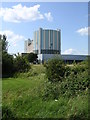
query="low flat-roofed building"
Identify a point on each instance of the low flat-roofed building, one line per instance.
(66, 58)
(72, 58)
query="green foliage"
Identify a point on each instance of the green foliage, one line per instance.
(51, 91)
(4, 43)
(7, 64)
(80, 67)
(74, 82)
(11, 65)
(55, 70)
(0, 57)
(20, 64)
(31, 57)
(67, 71)
(7, 114)
(35, 70)
(22, 98)
(7, 59)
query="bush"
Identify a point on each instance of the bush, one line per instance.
(55, 70)
(77, 82)
(11, 65)
(67, 71)
(31, 57)
(7, 59)
(20, 64)
(80, 67)
(74, 82)
(7, 64)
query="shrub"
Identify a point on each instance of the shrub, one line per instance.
(31, 57)
(67, 71)
(80, 67)
(20, 64)
(55, 70)
(7, 59)
(74, 82)
(7, 64)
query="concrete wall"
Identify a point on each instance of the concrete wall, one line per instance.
(28, 46)
(45, 57)
(46, 40)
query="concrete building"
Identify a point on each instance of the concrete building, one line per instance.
(28, 46)
(47, 44)
(47, 41)
(65, 58)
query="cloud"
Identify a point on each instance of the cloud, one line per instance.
(12, 38)
(21, 13)
(48, 16)
(71, 51)
(84, 31)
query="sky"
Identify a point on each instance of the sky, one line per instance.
(20, 20)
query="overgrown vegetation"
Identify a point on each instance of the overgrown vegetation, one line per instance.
(7, 65)
(21, 64)
(31, 57)
(31, 95)
(75, 80)
(11, 65)
(55, 70)
(55, 90)
(7, 59)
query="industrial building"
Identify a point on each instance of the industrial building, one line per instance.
(47, 41)
(28, 46)
(46, 44)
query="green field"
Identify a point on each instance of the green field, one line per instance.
(22, 98)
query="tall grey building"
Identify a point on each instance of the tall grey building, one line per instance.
(47, 41)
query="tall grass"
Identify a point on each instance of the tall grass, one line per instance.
(22, 98)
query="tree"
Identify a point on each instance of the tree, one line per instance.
(10, 65)
(21, 64)
(4, 43)
(55, 70)
(7, 59)
(0, 47)
(31, 57)
(7, 65)
(0, 56)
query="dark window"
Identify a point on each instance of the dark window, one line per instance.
(47, 51)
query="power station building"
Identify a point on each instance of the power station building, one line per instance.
(47, 41)
(28, 46)
(46, 44)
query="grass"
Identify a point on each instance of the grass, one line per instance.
(22, 98)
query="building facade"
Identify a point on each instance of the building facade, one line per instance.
(28, 46)
(46, 44)
(47, 41)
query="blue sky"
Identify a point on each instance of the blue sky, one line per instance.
(20, 21)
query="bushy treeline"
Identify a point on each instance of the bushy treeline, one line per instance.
(12, 64)
(65, 80)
